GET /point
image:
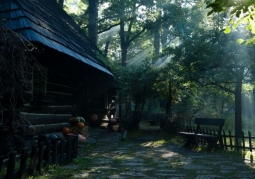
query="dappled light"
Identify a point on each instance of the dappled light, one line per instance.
(124, 89)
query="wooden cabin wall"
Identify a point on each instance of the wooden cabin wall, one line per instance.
(72, 86)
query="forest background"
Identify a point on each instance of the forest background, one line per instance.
(185, 58)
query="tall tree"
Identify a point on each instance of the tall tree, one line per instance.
(210, 58)
(93, 20)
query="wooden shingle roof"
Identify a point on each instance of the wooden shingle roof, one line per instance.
(44, 21)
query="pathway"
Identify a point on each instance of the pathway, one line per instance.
(145, 157)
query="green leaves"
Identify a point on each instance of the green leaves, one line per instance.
(227, 30)
(240, 41)
(242, 12)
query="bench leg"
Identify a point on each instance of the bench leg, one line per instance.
(211, 143)
(190, 141)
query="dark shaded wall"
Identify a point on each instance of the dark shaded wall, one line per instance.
(72, 82)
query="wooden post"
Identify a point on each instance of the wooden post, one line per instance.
(236, 142)
(230, 138)
(47, 152)
(1, 162)
(41, 157)
(243, 141)
(54, 151)
(11, 166)
(61, 151)
(170, 99)
(250, 143)
(75, 146)
(33, 157)
(224, 139)
(68, 147)
(23, 162)
(124, 135)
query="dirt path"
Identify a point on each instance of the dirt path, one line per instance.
(147, 156)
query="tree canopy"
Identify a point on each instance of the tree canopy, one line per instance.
(189, 60)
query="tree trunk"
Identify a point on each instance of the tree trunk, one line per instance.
(156, 42)
(123, 43)
(170, 100)
(124, 50)
(107, 44)
(164, 35)
(93, 19)
(238, 102)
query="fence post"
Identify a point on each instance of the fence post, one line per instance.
(68, 147)
(237, 145)
(40, 158)
(1, 162)
(61, 151)
(11, 165)
(54, 151)
(250, 143)
(75, 146)
(214, 133)
(47, 152)
(23, 163)
(243, 141)
(230, 137)
(224, 139)
(33, 157)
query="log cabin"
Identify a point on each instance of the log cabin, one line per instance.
(70, 75)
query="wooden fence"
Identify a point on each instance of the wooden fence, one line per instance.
(30, 161)
(230, 140)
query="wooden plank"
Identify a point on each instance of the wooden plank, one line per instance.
(58, 88)
(59, 79)
(44, 129)
(59, 109)
(37, 119)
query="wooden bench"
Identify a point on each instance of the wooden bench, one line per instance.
(211, 138)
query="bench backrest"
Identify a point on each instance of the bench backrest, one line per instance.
(210, 122)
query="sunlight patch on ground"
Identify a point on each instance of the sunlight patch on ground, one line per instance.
(169, 154)
(157, 143)
(82, 175)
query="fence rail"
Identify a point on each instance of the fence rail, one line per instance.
(31, 160)
(230, 140)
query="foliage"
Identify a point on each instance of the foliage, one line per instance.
(137, 81)
(213, 63)
(137, 84)
(241, 14)
(15, 65)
